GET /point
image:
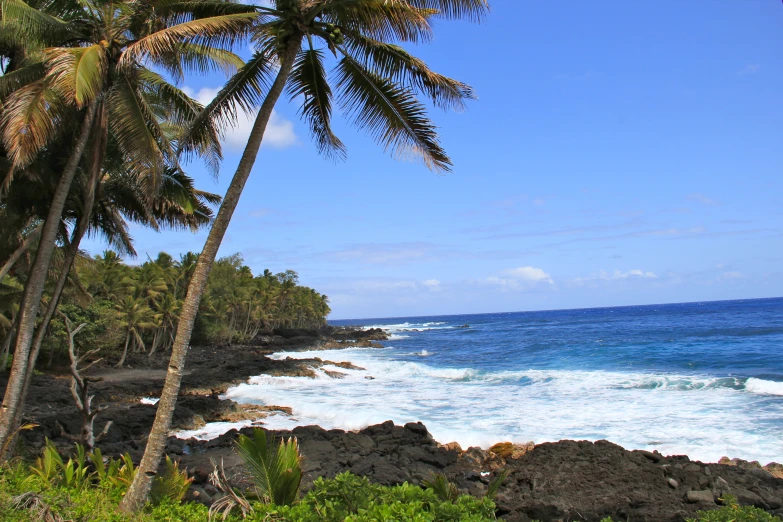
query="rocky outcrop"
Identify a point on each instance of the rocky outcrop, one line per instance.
(773, 468)
(567, 480)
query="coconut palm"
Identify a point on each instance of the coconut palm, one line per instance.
(120, 196)
(97, 75)
(136, 316)
(377, 83)
(166, 316)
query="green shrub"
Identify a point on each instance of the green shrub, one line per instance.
(354, 499)
(52, 470)
(172, 485)
(277, 472)
(733, 512)
(345, 498)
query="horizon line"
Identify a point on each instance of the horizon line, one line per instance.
(560, 309)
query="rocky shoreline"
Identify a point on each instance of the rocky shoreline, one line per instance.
(567, 480)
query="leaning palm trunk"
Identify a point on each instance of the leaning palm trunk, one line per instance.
(7, 347)
(136, 495)
(70, 256)
(100, 135)
(34, 287)
(26, 244)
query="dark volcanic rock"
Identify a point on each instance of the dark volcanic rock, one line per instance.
(572, 480)
(567, 480)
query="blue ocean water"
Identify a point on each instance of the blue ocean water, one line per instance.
(704, 379)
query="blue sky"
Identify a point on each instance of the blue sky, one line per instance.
(620, 153)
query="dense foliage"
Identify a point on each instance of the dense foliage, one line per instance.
(344, 498)
(136, 308)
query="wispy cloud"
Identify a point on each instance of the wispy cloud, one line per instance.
(432, 284)
(617, 275)
(752, 68)
(413, 252)
(279, 132)
(520, 278)
(380, 254)
(701, 198)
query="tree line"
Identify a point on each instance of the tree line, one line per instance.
(95, 134)
(136, 308)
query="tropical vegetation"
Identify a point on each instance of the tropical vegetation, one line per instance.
(95, 134)
(378, 85)
(135, 309)
(87, 487)
(81, 102)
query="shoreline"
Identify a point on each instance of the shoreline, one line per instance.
(545, 478)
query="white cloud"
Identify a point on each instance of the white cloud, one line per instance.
(279, 132)
(520, 278)
(528, 273)
(752, 68)
(701, 198)
(733, 275)
(617, 275)
(432, 284)
(392, 253)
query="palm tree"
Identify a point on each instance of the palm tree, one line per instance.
(99, 70)
(166, 315)
(377, 82)
(177, 205)
(136, 316)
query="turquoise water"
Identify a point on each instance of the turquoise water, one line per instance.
(705, 379)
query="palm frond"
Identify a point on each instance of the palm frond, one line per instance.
(179, 11)
(277, 472)
(32, 22)
(20, 77)
(218, 31)
(471, 10)
(308, 80)
(29, 121)
(395, 63)
(382, 19)
(179, 112)
(245, 90)
(78, 72)
(138, 135)
(196, 57)
(391, 115)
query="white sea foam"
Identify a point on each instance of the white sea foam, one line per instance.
(409, 327)
(701, 416)
(212, 430)
(764, 387)
(396, 337)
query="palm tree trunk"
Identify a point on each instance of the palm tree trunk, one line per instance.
(125, 351)
(7, 347)
(136, 495)
(154, 347)
(231, 326)
(99, 135)
(31, 299)
(11, 261)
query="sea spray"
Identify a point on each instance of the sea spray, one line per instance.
(704, 380)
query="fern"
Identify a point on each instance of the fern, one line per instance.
(492, 490)
(445, 491)
(173, 484)
(277, 473)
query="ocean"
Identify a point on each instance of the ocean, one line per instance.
(702, 379)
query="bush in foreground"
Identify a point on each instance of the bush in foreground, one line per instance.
(731, 512)
(346, 497)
